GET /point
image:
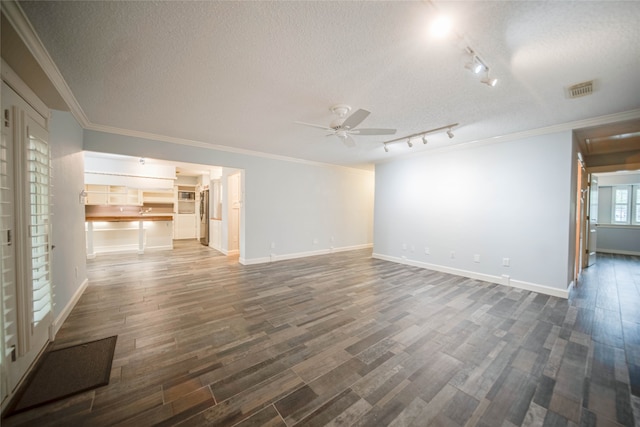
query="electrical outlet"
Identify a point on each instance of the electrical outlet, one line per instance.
(505, 262)
(315, 241)
(404, 246)
(427, 251)
(413, 248)
(273, 245)
(476, 258)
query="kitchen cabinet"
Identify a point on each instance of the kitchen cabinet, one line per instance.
(184, 226)
(186, 199)
(113, 195)
(158, 196)
(128, 234)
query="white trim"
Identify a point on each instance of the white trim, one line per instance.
(561, 127)
(617, 251)
(16, 16)
(27, 33)
(209, 146)
(253, 261)
(25, 30)
(158, 248)
(284, 257)
(14, 81)
(57, 323)
(219, 249)
(614, 226)
(500, 280)
(127, 175)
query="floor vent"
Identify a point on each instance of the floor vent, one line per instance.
(581, 89)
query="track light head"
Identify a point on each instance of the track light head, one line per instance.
(424, 139)
(475, 65)
(409, 143)
(489, 81)
(450, 134)
(386, 149)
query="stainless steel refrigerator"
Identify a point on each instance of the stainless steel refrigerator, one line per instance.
(204, 217)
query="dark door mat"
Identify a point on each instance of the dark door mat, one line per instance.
(67, 371)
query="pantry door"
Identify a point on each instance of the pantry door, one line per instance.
(27, 309)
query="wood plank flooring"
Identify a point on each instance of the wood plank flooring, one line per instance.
(344, 339)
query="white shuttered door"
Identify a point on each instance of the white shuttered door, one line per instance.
(39, 177)
(25, 223)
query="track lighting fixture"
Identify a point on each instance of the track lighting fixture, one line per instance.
(477, 66)
(422, 135)
(441, 27)
(489, 81)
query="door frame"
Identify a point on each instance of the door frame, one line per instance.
(27, 110)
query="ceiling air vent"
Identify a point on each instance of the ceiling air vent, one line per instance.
(580, 89)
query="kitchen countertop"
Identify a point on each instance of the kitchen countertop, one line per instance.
(130, 218)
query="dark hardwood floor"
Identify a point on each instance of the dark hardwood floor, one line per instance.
(345, 339)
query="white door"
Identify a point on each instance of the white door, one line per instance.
(592, 219)
(8, 319)
(26, 245)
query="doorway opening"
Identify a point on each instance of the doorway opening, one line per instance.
(177, 201)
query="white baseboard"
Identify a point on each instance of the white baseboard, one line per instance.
(618, 252)
(217, 248)
(500, 280)
(57, 323)
(253, 261)
(159, 248)
(283, 257)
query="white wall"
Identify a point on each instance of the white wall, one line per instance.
(287, 203)
(69, 256)
(619, 239)
(503, 200)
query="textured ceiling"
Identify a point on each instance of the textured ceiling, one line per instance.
(239, 74)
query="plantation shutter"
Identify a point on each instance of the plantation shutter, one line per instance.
(39, 168)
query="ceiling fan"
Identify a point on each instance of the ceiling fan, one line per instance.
(343, 127)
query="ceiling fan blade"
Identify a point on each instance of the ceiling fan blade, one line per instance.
(314, 126)
(355, 119)
(373, 131)
(348, 141)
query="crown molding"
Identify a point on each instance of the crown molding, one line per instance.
(14, 81)
(208, 146)
(15, 15)
(562, 127)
